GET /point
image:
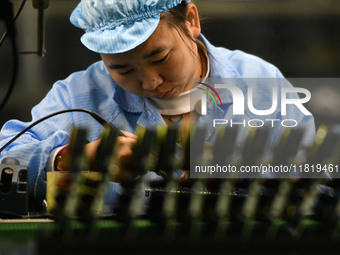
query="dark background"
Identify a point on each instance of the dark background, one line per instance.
(300, 37)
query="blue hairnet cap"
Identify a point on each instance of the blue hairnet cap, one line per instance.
(117, 26)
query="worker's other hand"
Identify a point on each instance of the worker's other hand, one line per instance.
(124, 146)
(185, 178)
(123, 153)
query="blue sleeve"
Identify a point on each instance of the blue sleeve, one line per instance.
(32, 149)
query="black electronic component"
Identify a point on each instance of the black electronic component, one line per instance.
(14, 199)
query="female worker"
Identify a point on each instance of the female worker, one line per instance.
(150, 50)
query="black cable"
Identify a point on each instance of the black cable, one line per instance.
(7, 13)
(14, 19)
(95, 115)
(14, 74)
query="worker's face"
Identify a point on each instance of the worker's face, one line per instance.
(160, 67)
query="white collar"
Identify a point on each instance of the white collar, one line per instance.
(184, 103)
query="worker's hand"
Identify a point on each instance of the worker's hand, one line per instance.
(123, 153)
(62, 161)
(185, 178)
